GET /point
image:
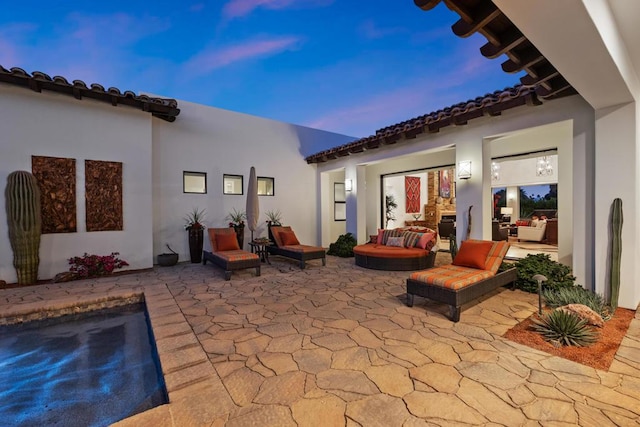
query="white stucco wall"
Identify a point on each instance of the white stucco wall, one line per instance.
(216, 141)
(49, 124)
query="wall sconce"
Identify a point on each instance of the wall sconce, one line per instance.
(348, 185)
(464, 169)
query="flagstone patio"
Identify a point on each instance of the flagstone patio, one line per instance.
(336, 346)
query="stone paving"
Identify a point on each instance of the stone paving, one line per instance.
(336, 346)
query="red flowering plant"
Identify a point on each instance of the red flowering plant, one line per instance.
(95, 265)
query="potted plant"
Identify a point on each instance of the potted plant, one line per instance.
(196, 233)
(274, 218)
(236, 221)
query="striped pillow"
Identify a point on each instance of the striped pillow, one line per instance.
(411, 238)
(389, 233)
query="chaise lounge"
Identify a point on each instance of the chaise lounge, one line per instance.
(288, 246)
(226, 253)
(473, 273)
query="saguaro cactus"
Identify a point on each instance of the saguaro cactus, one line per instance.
(616, 252)
(22, 199)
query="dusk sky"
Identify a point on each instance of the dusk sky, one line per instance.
(345, 66)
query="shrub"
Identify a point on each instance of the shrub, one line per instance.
(558, 275)
(95, 265)
(565, 328)
(343, 247)
(576, 295)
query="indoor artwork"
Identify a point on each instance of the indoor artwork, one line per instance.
(56, 178)
(103, 195)
(412, 191)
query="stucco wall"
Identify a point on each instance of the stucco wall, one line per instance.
(216, 141)
(48, 124)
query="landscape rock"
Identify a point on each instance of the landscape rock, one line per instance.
(584, 312)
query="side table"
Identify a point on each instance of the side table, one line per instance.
(259, 247)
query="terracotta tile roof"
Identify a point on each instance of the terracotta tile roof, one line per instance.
(163, 108)
(491, 104)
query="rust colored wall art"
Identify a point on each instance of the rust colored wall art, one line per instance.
(56, 177)
(103, 195)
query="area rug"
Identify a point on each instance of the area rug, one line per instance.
(598, 355)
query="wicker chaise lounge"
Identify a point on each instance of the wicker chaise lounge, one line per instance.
(473, 273)
(287, 245)
(226, 253)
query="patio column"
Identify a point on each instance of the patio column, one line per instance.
(474, 191)
(617, 174)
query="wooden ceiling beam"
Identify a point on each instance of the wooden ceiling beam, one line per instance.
(426, 4)
(508, 41)
(481, 17)
(540, 74)
(521, 60)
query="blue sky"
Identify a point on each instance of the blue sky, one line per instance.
(345, 66)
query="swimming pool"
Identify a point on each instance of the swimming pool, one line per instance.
(91, 369)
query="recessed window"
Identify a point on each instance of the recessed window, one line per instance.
(339, 202)
(266, 186)
(194, 182)
(232, 184)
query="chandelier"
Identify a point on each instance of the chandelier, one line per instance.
(544, 167)
(495, 171)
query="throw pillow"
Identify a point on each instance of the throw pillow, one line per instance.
(411, 238)
(227, 242)
(534, 223)
(389, 233)
(473, 254)
(373, 238)
(288, 238)
(397, 241)
(380, 236)
(426, 241)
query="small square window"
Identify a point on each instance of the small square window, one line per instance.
(232, 184)
(266, 186)
(194, 182)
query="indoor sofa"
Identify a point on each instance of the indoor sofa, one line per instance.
(398, 249)
(535, 233)
(473, 273)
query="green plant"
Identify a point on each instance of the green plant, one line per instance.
(236, 218)
(343, 247)
(95, 265)
(558, 275)
(390, 205)
(22, 200)
(616, 252)
(565, 328)
(274, 217)
(576, 295)
(194, 219)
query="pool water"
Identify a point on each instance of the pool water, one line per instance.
(91, 369)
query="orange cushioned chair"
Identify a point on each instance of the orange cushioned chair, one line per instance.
(473, 273)
(287, 245)
(226, 253)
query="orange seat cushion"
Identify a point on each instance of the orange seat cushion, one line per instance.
(451, 276)
(473, 254)
(382, 251)
(288, 237)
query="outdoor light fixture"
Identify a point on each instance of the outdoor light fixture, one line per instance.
(348, 185)
(544, 167)
(464, 169)
(495, 171)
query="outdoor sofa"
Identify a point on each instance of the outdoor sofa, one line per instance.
(286, 244)
(398, 249)
(473, 273)
(226, 252)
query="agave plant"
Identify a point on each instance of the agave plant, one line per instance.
(565, 328)
(576, 295)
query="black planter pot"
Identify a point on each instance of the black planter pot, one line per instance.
(239, 234)
(196, 239)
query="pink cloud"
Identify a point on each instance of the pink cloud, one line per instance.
(239, 8)
(8, 54)
(210, 59)
(370, 30)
